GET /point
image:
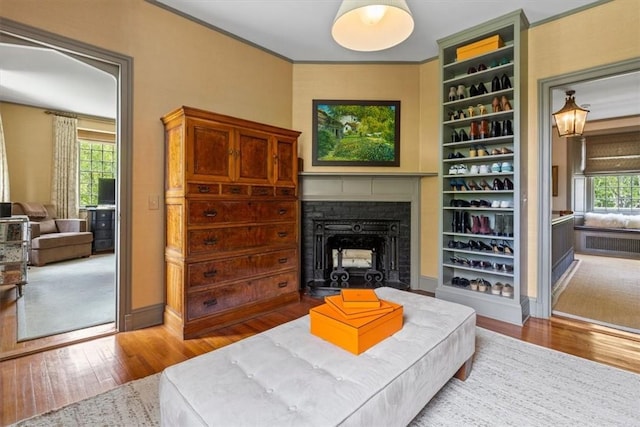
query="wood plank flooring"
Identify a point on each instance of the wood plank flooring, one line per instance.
(43, 381)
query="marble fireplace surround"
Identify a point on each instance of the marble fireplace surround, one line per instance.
(371, 187)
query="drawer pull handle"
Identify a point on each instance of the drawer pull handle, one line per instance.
(282, 234)
(210, 242)
(212, 213)
(235, 190)
(262, 191)
(282, 211)
(283, 260)
(286, 191)
(282, 284)
(210, 302)
(210, 273)
(204, 188)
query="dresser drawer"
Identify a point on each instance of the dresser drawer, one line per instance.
(276, 211)
(211, 272)
(234, 190)
(194, 188)
(200, 304)
(238, 238)
(286, 191)
(202, 212)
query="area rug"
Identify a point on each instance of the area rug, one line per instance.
(602, 290)
(512, 383)
(67, 296)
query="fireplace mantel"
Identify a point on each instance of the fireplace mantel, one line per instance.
(371, 187)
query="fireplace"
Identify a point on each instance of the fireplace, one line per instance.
(355, 245)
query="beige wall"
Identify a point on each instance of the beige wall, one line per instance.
(28, 138)
(177, 62)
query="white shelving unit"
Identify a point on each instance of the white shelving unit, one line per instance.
(482, 160)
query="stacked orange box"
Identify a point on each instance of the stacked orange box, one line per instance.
(355, 320)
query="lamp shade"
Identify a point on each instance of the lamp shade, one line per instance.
(571, 118)
(370, 25)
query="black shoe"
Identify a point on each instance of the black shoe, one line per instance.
(507, 128)
(495, 84)
(473, 91)
(455, 137)
(508, 184)
(463, 135)
(495, 130)
(505, 82)
(482, 89)
(483, 246)
(497, 185)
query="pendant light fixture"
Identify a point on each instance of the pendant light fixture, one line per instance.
(371, 25)
(570, 119)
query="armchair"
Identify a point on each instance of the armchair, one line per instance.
(54, 239)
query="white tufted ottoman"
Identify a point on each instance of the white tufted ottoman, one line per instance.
(287, 377)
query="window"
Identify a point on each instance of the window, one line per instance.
(616, 193)
(97, 160)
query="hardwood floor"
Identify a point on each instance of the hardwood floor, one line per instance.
(43, 381)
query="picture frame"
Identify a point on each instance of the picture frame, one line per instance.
(356, 133)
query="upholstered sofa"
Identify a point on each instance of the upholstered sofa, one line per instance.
(54, 239)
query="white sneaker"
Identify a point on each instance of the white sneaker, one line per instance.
(453, 170)
(495, 167)
(506, 204)
(462, 170)
(495, 204)
(507, 290)
(506, 167)
(475, 169)
(484, 168)
(496, 289)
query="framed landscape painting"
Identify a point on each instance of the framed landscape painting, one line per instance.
(356, 133)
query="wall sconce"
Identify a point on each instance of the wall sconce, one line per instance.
(372, 25)
(570, 119)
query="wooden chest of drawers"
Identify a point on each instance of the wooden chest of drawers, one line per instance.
(231, 220)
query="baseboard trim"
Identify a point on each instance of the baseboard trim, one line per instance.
(428, 284)
(144, 317)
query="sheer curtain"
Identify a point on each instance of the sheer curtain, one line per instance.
(4, 168)
(64, 182)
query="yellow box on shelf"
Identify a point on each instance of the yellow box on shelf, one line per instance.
(479, 47)
(354, 335)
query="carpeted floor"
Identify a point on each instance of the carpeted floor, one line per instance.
(67, 296)
(603, 290)
(512, 383)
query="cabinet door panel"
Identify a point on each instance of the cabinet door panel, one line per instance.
(253, 157)
(286, 162)
(211, 151)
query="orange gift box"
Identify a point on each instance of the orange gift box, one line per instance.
(354, 335)
(479, 47)
(335, 301)
(359, 298)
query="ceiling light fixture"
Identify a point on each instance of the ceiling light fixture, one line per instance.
(371, 25)
(570, 119)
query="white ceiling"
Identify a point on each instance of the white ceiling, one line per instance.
(298, 30)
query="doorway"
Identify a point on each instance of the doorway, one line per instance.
(120, 67)
(546, 89)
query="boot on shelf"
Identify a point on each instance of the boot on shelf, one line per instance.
(508, 226)
(485, 226)
(466, 223)
(475, 228)
(455, 220)
(499, 227)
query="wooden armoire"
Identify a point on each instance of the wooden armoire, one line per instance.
(231, 198)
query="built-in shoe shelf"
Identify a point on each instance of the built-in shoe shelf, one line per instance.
(481, 112)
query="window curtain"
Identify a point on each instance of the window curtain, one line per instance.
(4, 168)
(613, 154)
(64, 180)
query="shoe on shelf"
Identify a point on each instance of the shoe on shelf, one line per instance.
(505, 104)
(496, 168)
(495, 84)
(508, 184)
(506, 204)
(473, 283)
(453, 170)
(505, 83)
(463, 135)
(473, 91)
(496, 289)
(507, 290)
(462, 170)
(484, 169)
(497, 185)
(474, 169)
(495, 204)
(506, 150)
(482, 150)
(485, 186)
(472, 184)
(495, 105)
(506, 167)
(455, 137)
(483, 246)
(473, 151)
